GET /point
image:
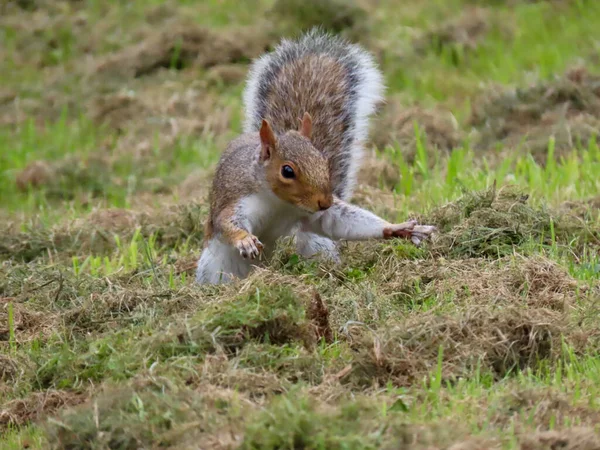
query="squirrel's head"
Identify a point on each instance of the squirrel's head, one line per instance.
(296, 171)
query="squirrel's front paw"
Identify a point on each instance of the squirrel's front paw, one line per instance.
(409, 230)
(249, 247)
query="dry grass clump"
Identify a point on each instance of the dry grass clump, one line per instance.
(566, 108)
(44, 30)
(438, 130)
(158, 114)
(108, 310)
(47, 301)
(96, 235)
(227, 74)
(179, 46)
(381, 202)
(493, 222)
(378, 171)
(60, 179)
(258, 383)
(341, 17)
(516, 2)
(9, 368)
(37, 405)
(463, 33)
(117, 110)
(513, 280)
(496, 341)
(35, 175)
(27, 323)
(196, 185)
(587, 210)
(545, 407)
(152, 413)
(302, 421)
(577, 438)
(270, 313)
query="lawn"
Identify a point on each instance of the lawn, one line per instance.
(112, 118)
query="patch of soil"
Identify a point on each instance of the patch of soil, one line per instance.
(565, 108)
(438, 130)
(178, 46)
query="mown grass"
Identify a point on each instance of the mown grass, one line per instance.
(485, 338)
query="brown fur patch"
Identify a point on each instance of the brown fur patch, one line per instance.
(311, 184)
(224, 224)
(324, 98)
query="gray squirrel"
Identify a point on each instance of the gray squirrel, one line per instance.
(292, 172)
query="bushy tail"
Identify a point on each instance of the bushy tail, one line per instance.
(337, 82)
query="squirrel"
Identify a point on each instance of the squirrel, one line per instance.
(292, 172)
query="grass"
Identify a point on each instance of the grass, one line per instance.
(486, 337)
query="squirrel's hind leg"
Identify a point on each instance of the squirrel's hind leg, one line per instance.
(310, 245)
(220, 263)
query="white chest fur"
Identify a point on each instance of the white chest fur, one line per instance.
(268, 217)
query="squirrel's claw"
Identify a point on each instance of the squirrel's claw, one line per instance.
(249, 247)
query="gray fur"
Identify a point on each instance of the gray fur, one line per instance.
(337, 82)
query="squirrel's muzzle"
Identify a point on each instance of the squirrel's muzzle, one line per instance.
(325, 203)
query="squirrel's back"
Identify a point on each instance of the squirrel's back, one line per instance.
(336, 82)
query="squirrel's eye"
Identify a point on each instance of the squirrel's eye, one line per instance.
(287, 172)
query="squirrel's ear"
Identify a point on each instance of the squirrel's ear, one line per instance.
(267, 140)
(306, 126)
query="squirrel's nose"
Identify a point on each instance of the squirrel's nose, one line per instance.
(325, 203)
